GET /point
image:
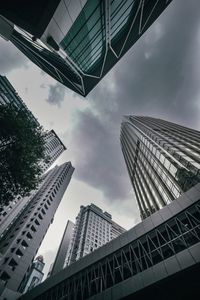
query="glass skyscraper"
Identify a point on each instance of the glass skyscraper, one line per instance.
(78, 42)
(162, 158)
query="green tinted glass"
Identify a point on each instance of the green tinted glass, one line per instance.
(85, 40)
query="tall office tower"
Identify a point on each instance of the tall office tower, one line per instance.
(162, 158)
(20, 241)
(35, 275)
(53, 148)
(77, 42)
(58, 264)
(93, 229)
(8, 95)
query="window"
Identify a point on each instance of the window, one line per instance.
(19, 253)
(13, 264)
(24, 244)
(4, 276)
(33, 228)
(29, 236)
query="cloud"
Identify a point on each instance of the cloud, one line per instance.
(95, 146)
(56, 94)
(158, 77)
(10, 57)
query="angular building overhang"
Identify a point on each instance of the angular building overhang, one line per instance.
(32, 16)
(80, 54)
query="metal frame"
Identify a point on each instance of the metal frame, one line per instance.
(164, 241)
(62, 68)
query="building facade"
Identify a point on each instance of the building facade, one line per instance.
(156, 259)
(58, 264)
(8, 95)
(162, 158)
(35, 275)
(21, 240)
(93, 229)
(53, 149)
(78, 42)
(53, 145)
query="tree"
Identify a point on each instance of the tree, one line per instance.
(22, 146)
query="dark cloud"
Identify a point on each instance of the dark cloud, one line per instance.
(158, 77)
(10, 57)
(96, 149)
(56, 94)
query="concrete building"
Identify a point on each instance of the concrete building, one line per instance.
(8, 95)
(162, 158)
(58, 264)
(158, 258)
(93, 229)
(35, 275)
(53, 149)
(77, 42)
(21, 240)
(53, 144)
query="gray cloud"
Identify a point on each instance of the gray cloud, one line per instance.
(56, 94)
(94, 145)
(158, 77)
(10, 57)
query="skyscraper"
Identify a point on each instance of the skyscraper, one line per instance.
(21, 239)
(8, 95)
(53, 148)
(53, 145)
(162, 158)
(93, 229)
(77, 42)
(35, 275)
(58, 264)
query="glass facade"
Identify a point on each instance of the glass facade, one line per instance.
(79, 50)
(163, 160)
(85, 41)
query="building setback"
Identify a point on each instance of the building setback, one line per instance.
(162, 158)
(93, 229)
(21, 240)
(77, 42)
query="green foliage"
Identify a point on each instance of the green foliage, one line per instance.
(22, 146)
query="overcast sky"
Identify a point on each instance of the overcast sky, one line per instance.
(159, 77)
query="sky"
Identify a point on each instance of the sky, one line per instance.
(158, 77)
